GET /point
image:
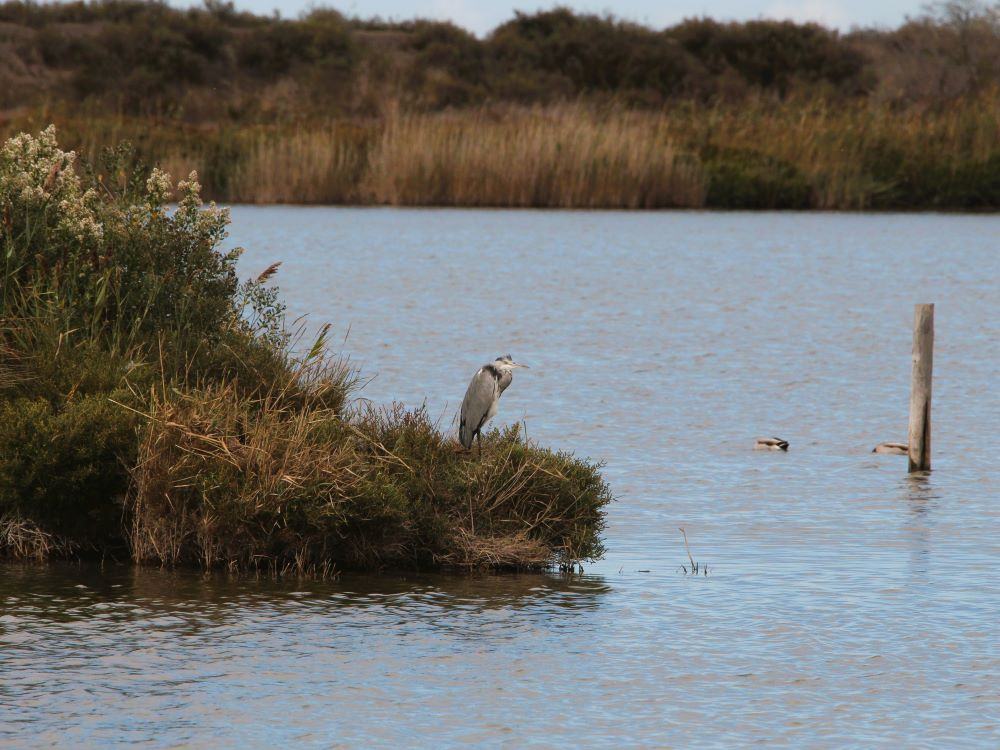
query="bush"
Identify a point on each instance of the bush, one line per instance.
(744, 179)
(135, 364)
(774, 55)
(66, 467)
(587, 53)
(102, 295)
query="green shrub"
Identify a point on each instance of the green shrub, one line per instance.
(588, 53)
(116, 263)
(744, 179)
(102, 295)
(66, 467)
(774, 55)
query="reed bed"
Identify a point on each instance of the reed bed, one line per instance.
(762, 153)
(856, 156)
(22, 539)
(322, 165)
(223, 482)
(566, 157)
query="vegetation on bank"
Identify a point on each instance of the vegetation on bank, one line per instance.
(799, 156)
(550, 109)
(151, 405)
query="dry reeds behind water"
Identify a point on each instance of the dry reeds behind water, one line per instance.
(221, 481)
(761, 153)
(323, 165)
(563, 157)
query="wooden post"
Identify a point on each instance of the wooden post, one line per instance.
(920, 388)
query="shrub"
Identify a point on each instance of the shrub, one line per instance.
(774, 55)
(66, 466)
(101, 295)
(147, 395)
(744, 179)
(588, 53)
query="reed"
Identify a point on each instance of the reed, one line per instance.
(325, 164)
(762, 153)
(855, 155)
(562, 157)
(255, 485)
(22, 539)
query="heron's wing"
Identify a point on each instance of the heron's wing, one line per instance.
(479, 398)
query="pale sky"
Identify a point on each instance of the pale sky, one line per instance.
(483, 16)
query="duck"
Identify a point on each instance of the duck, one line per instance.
(895, 449)
(770, 444)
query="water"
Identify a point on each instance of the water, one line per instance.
(846, 605)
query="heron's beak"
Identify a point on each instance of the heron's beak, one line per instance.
(515, 364)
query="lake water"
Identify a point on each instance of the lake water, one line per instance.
(846, 604)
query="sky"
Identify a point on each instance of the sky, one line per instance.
(481, 16)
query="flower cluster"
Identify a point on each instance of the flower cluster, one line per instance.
(158, 188)
(116, 254)
(209, 223)
(35, 175)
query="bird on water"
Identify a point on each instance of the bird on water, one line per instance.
(893, 449)
(770, 444)
(480, 403)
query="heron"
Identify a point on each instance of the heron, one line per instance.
(480, 403)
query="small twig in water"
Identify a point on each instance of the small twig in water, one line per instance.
(694, 565)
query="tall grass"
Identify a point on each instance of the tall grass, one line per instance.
(855, 155)
(223, 481)
(320, 165)
(565, 157)
(800, 153)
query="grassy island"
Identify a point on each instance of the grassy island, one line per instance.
(152, 406)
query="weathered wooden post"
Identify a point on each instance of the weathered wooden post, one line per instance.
(920, 388)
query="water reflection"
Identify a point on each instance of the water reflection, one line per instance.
(58, 591)
(921, 497)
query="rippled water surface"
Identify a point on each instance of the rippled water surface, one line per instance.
(846, 605)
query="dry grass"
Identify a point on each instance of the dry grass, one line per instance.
(848, 155)
(321, 165)
(516, 550)
(223, 482)
(22, 539)
(201, 456)
(563, 157)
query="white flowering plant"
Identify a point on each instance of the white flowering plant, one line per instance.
(114, 255)
(109, 291)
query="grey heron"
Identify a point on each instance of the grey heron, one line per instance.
(770, 444)
(480, 402)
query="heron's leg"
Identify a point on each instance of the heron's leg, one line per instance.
(479, 439)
